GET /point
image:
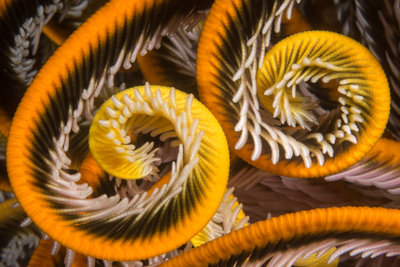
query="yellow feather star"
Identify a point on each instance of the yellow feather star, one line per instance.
(267, 106)
(313, 105)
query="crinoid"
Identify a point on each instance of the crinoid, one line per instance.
(62, 100)
(281, 118)
(283, 240)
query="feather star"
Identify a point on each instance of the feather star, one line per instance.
(199, 162)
